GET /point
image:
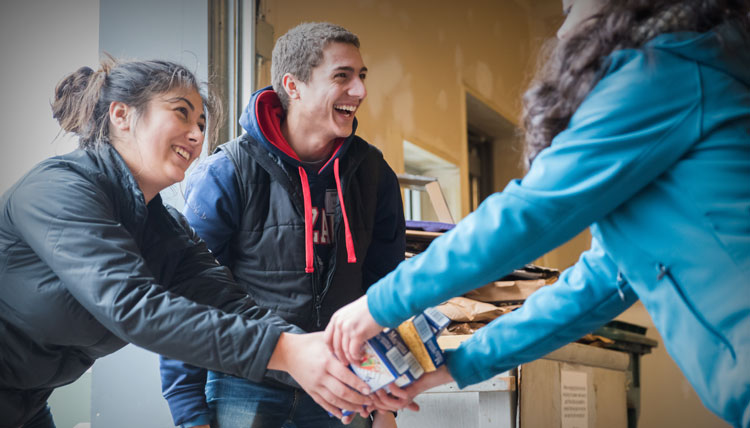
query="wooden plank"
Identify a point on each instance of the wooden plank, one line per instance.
(451, 341)
(502, 382)
(422, 234)
(438, 202)
(590, 356)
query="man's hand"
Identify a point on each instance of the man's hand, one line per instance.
(348, 330)
(400, 398)
(328, 381)
(386, 402)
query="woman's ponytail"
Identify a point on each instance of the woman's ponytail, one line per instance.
(82, 98)
(76, 103)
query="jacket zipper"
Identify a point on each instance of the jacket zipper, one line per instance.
(317, 298)
(621, 282)
(333, 259)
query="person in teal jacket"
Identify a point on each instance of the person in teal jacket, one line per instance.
(638, 127)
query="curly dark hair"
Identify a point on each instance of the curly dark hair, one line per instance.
(573, 66)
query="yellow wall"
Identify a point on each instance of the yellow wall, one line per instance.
(423, 58)
(420, 59)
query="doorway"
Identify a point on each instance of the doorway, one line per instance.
(494, 150)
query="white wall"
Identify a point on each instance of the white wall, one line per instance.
(42, 40)
(173, 30)
(126, 388)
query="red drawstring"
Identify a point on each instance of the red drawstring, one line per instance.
(308, 221)
(351, 256)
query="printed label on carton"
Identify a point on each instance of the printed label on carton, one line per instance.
(438, 321)
(374, 369)
(429, 340)
(419, 336)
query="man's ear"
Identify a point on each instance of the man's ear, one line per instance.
(119, 115)
(289, 83)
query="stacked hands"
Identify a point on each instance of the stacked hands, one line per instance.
(330, 382)
(324, 372)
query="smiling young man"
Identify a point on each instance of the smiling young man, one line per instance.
(305, 213)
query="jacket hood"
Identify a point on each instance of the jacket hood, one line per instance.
(726, 48)
(262, 120)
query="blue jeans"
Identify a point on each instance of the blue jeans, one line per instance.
(239, 403)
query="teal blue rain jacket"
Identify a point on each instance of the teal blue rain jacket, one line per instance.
(657, 161)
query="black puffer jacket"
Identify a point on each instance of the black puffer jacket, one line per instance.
(274, 274)
(86, 267)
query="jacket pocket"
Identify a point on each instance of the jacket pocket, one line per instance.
(663, 274)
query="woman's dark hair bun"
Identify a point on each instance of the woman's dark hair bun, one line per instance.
(82, 99)
(75, 99)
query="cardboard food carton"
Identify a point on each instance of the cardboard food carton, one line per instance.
(387, 359)
(419, 335)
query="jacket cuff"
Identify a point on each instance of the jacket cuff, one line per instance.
(200, 420)
(461, 368)
(188, 406)
(257, 362)
(379, 311)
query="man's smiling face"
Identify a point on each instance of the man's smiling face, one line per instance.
(334, 92)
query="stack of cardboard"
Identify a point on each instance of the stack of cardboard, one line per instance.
(478, 307)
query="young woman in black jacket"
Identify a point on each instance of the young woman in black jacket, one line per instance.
(91, 259)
